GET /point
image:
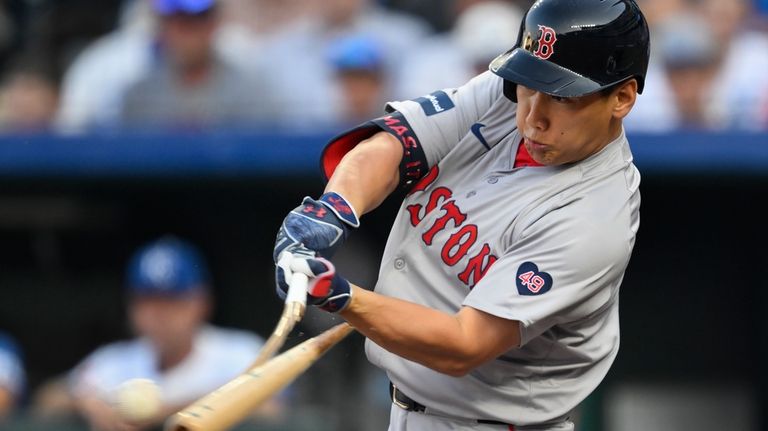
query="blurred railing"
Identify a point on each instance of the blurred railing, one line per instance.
(236, 155)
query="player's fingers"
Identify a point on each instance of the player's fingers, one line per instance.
(322, 272)
(314, 267)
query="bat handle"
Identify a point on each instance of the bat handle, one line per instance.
(297, 291)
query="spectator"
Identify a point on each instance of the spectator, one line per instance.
(12, 376)
(656, 111)
(263, 17)
(297, 55)
(689, 52)
(28, 100)
(95, 82)
(741, 77)
(657, 11)
(707, 70)
(169, 301)
(360, 73)
(481, 31)
(189, 85)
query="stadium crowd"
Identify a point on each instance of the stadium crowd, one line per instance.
(322, 64)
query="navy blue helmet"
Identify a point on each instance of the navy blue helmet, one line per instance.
(571, 48)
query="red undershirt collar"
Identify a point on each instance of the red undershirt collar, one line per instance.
(523, 158)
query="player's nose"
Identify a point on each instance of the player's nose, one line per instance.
(536, 117)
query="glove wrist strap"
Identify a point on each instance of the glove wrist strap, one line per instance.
(339, 206)
(340, 298)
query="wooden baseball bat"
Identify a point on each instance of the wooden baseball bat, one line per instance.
(232, 402)
(293, 311)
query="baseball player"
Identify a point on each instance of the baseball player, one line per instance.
(496, 306)
(168, 288)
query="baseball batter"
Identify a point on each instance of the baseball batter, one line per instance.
(496, 306)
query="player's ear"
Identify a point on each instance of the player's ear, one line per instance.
(624, 97)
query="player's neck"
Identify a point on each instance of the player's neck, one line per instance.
(170, 358)
(195, 74)
(614, 132)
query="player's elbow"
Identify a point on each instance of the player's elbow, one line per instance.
(457, 371)
(455, 367)
(452, 370)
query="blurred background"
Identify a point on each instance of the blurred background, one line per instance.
(124, 121)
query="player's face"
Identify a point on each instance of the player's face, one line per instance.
(169, 323)
(565, 130)
(189, 38)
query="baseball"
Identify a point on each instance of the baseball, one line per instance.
(138, 400)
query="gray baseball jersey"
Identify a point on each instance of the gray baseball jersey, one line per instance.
(546, 246)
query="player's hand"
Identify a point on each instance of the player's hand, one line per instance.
(326, 289)
(319, 225)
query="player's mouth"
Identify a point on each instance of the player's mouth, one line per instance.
(534, 145)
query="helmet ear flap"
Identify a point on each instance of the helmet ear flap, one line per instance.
(510, 90)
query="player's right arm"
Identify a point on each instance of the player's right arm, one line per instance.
(368, 173)
(366, 164)
(363, 178)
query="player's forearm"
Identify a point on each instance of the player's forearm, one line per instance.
(368, 173)
(438, 340)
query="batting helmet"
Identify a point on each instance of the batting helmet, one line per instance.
(571, 48)
(167, 267)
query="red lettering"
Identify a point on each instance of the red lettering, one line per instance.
(390, 120)
(525, 277)
(394, 125)
(435, 198)
(462, 241)
(533, 282)
(414, 211)
(410, 165)
(475, 268)
(452, 212)
(400, 130)
(426, 181)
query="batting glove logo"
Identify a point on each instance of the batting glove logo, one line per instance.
(531, 281)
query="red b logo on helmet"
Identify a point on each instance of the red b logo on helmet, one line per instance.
(546, 42)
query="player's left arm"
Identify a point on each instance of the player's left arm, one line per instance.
(453, 344)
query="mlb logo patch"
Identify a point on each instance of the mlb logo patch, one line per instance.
(435, 103)
(530, 281)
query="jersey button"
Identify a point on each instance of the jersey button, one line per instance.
(493, 180)
(399, 263)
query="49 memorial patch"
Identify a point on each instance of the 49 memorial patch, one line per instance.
(530, 281)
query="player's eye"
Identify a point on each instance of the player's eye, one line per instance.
(559, 99)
